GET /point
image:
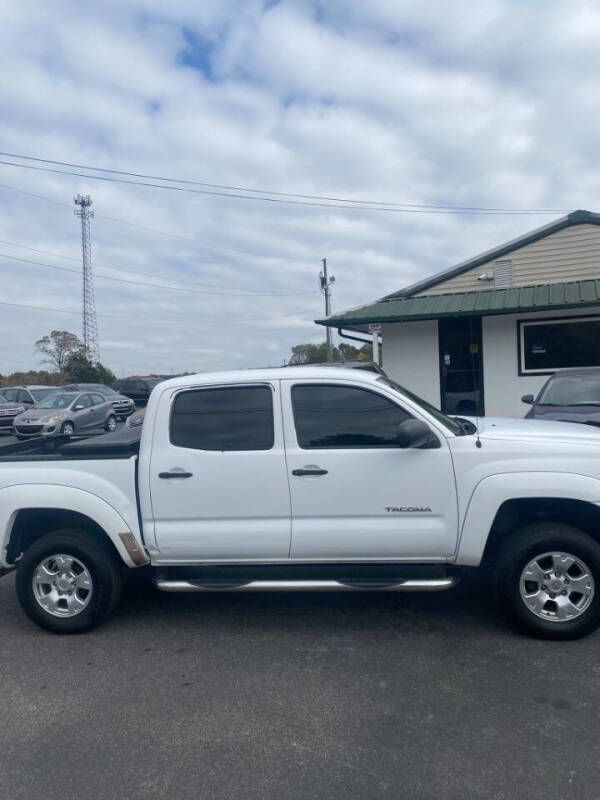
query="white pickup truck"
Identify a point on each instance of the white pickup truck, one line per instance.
(307, 478)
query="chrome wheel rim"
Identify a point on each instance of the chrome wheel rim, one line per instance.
(68, 428)
(62, 585)
(111, 424)
(557, 586)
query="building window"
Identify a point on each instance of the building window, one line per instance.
(548, 345)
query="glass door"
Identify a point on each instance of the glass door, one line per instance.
(461, 366)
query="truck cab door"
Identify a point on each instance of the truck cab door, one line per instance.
(355, 493)
(217, 475)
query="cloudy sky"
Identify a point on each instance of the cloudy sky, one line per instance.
(491, 105)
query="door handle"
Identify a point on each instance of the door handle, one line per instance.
(175, 474)
(315, 471)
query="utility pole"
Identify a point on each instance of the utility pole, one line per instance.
(89, 324)
(325, 282)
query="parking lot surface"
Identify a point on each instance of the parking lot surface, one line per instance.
(296, 696)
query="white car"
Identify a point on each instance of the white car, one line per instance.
(303, 479)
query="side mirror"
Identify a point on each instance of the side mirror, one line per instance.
(78, 407)
(413, 433)
(528, 398)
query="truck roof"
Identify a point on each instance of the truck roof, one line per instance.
(305, 372)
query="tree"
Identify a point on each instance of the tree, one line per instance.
(58, 347)
(79, 369)
(317, 353)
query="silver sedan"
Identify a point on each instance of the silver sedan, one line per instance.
(66, 413)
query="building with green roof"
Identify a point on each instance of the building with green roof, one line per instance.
(474, 338)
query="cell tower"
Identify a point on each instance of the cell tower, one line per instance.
(90, 326)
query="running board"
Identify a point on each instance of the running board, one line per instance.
(408, 585)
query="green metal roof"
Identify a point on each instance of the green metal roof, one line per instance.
(550, 296)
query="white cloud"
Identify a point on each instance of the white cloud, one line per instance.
(488, 104)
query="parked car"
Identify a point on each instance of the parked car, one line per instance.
(66, 413)
(122, 405)
(137, 418)
(138, 389)
(16, 399)
(570, 395)
(302, 479)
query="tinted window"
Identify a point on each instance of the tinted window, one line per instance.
(546, 346)
(239, 418)
(85, 400)
(344, 416)
(24, 397)
(11, 394)
(97, 399)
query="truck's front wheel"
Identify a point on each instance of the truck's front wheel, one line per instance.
(67, 582)
(548, 580)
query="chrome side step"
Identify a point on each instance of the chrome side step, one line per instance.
(407, 585)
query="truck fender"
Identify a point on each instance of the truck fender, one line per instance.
(66, 498)
(491, 492)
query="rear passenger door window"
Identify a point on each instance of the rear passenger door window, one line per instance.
(223, 419)
(338, 416)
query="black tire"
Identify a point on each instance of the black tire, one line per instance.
(105, 571)
(108, 425)
(519, 549)
(68, 429)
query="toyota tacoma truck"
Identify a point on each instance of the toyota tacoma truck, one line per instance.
(300, 479)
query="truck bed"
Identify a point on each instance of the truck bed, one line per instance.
(123, 443)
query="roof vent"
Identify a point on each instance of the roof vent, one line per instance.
(503, 275)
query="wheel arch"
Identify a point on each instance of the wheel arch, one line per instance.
(517, 513)
(29, 512)
(503, 503)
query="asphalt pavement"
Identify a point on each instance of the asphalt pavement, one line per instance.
(296, 696)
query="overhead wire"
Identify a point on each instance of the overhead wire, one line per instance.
(239, 292)
(286, 201)
(228, 188)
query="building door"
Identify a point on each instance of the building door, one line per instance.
(461, 366)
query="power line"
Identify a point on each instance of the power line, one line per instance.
(356, 207)
(138, 283)
(244, 292)
(129, 318)
(170, 234)
(224, 187)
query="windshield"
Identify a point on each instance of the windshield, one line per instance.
(3, 399)
(11, 395)
(571, 390)
(446, 421)
(56, 400)
(39, 394)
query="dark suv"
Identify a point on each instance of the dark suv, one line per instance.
(138, 389)
(570, 395)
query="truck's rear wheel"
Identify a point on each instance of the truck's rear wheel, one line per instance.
(548, 580)
(67, 583)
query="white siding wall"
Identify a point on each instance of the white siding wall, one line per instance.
(411, 357)
(569, 255)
